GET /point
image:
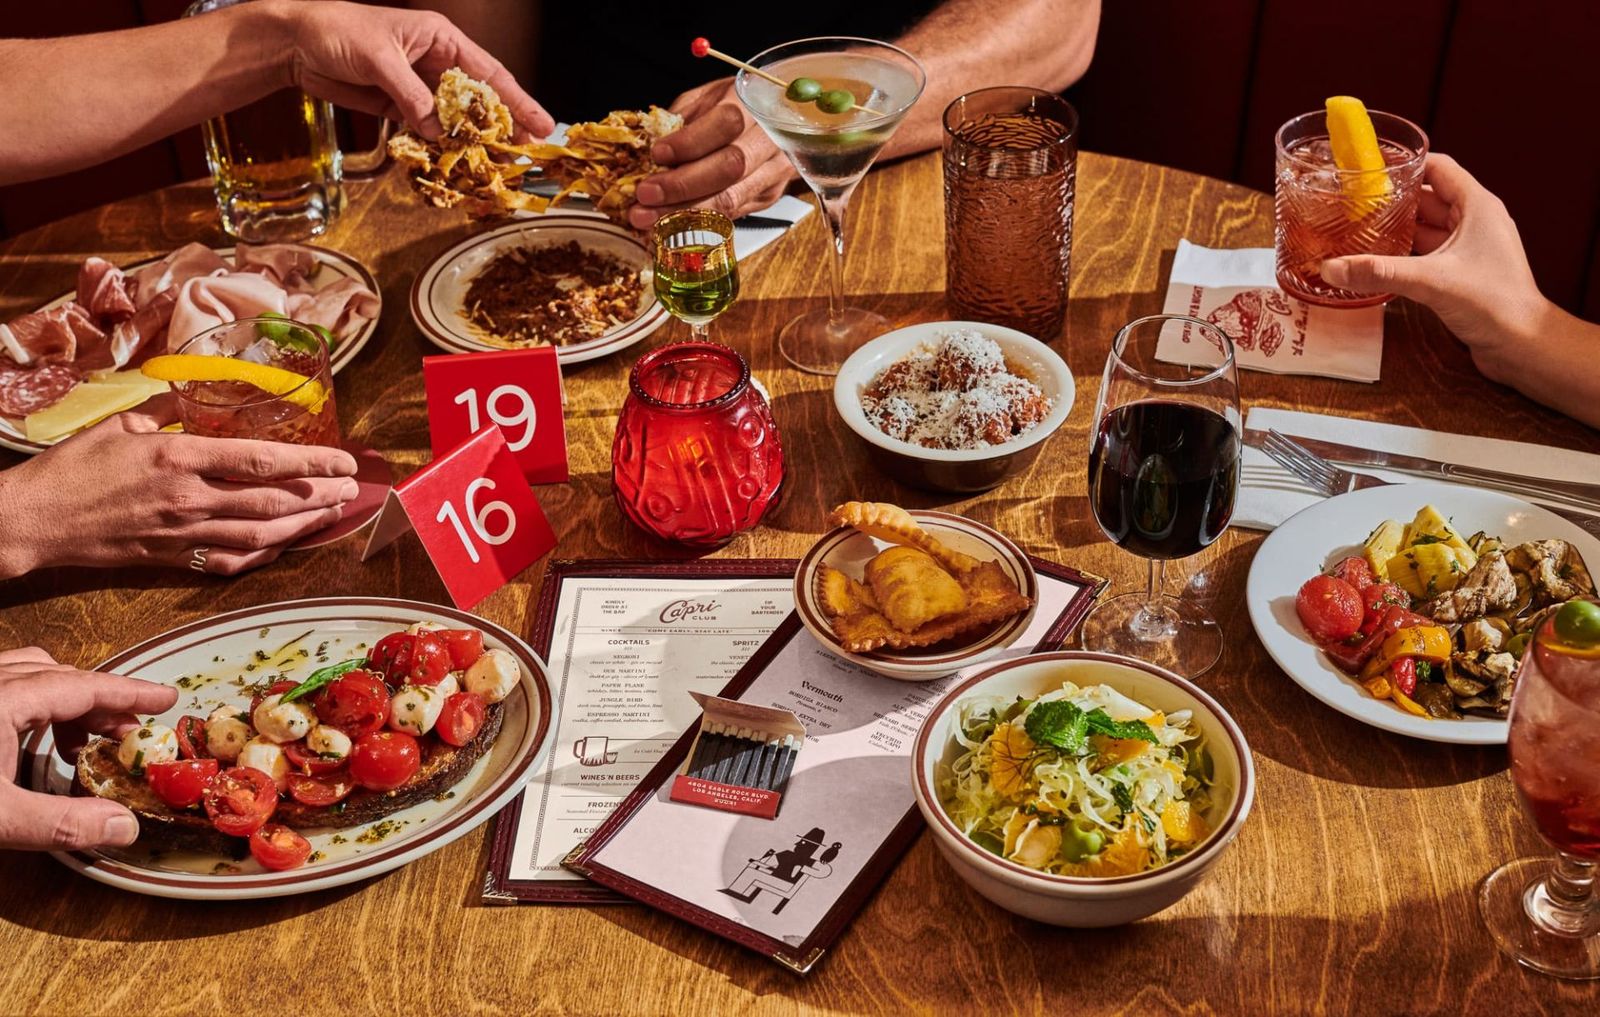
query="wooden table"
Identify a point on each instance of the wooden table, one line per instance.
(1351, 889)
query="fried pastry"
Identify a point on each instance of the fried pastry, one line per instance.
(917, 592)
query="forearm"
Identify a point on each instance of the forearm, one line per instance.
(1556, 362)
(19, 554)
(966, 44)
(83, 99)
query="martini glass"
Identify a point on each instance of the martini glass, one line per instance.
(832, 152)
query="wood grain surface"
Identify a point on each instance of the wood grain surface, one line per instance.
(1350, 890)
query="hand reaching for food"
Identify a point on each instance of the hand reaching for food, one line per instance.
(122, 493)
(720, 159)
(35, 691)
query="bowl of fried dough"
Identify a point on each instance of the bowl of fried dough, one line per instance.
(914, 595)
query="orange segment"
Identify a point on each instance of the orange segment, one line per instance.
(187, 367)
(1355, 150)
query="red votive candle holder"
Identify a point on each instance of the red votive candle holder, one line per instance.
(697, 457)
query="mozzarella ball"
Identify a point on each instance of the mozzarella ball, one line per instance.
(265, 755)
(415, 709)
(149, 743)
(425, 626)
(284, 722)
(494, 675)
(226, 733)
(328, 742)
(448, 686)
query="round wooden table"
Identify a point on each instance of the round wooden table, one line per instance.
(1350, 890)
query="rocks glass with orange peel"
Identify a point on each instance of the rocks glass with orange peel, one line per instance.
(1348, 182)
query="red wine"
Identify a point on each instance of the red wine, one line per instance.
(1162, 477)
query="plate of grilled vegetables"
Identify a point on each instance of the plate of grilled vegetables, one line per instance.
(314, 743)
(1409, 606)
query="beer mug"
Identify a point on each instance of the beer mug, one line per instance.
(276, 165)
(594, 750)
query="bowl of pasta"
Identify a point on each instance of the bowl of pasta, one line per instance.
(1081, 789)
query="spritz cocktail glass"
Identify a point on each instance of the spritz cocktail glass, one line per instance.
(1545, 912)
(832, 151)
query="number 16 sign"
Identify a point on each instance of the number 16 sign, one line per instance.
(475, 515)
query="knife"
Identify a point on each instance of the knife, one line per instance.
(1587, 495)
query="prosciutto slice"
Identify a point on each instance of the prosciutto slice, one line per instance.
(55, 336)
(341, 307)
(103, 289)
(211, 300)
(290, 267)
(177, 268)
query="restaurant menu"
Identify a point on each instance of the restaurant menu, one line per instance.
(625, 644)
(787, 887)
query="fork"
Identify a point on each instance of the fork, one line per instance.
(1330, 480)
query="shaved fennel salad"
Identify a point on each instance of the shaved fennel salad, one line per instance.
(1082, 781)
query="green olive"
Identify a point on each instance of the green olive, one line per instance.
(1518, 643)
(1076, 844)
(803, 89)
(835, 100)
(1578, 622)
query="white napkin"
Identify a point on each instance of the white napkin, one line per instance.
(1270, 494)
(1237, 290)
(747, 240)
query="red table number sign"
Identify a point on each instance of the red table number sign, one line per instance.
(475, 515)
(518, 390)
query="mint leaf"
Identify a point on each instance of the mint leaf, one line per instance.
(1060, 724)
(1100, 723)
(320, 677)
(1123, 797)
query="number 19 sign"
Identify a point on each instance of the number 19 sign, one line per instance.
(475, 515)
(518, 391)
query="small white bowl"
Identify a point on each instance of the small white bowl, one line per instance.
(1074, 900)
(952, 469)
(848, 551)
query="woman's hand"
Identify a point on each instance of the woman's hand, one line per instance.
(35, 691)
(720, 158)
(1470, 268)
(387, 61)
(123, 493)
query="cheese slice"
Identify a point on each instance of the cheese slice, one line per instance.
(89, 403)
(128, 376)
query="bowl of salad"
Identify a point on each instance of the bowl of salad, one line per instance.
(1081, 789)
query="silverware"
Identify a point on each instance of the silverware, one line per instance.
(1330, 480)
(760, 222)
(1566, 490)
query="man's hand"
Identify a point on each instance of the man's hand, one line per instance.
(124, 493)
(386, 61)
(35, 691)
(720, 158)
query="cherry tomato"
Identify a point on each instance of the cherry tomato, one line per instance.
(430, 660)
(192, 738)
(1351, 656)
(384, 760)
(392, 657)
(181, 782)
(320, 792)
(461, 718)
(1354, 570)
(240, 800)
(465, 646)
(277, 688)
(277, 847)
(1329, 608)
(356, 703)
(1403, 673)
(303, 760)
(1378, 598)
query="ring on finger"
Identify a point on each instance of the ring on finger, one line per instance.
(197, 558)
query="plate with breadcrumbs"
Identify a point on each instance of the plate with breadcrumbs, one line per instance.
(571, 280)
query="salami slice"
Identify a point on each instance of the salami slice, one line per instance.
(25, 392)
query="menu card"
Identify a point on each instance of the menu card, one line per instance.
(625, 643)
(788, 887)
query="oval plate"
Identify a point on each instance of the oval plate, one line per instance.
(848, 551)
(342, 623)
(436, 296)
(1315, 537)
(334, 265)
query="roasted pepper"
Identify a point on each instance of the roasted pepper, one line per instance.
(1406, 703)
(1427, 642)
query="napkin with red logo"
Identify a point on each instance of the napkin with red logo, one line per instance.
(1237, 291)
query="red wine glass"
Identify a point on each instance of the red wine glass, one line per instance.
(1163, 473)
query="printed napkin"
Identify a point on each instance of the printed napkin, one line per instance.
(1237, 291)
(1270, 494)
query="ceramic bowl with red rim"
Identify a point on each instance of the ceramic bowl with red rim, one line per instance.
(202, 658)
(438, 296)
(1079, 901)
(848, 551)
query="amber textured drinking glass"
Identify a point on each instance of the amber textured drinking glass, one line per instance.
(1010, 171)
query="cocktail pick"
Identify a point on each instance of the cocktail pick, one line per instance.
(701, 47)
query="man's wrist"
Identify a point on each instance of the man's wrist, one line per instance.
(271, 26)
